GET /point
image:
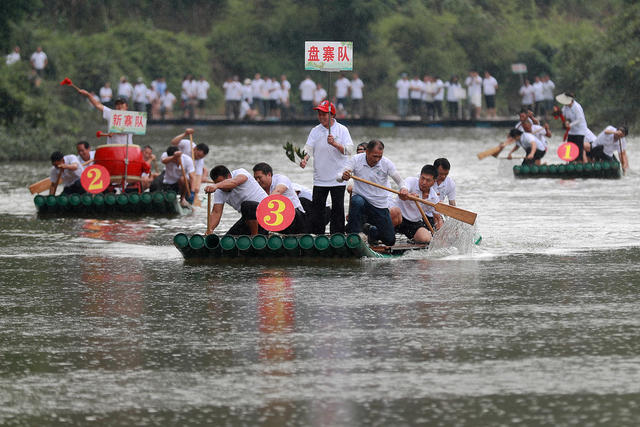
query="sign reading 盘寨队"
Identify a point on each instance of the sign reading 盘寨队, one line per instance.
(134, 122)
(328, 56)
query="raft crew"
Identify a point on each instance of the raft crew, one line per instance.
(534, 149)
(199, 151)
(369, 207)
(609, 141)
(574, 120)
(444, 186)
(120, 104)
(330, 145)
(147, 178)
(176, 163)
(405, 214)
(85, 153)
(280, 184)
(69, 170)
(240, 190)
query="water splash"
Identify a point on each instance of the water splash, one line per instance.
(454, 238)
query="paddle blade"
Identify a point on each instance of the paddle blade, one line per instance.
(456, 213)
(66, 82)
(490, 152)
(40, 186)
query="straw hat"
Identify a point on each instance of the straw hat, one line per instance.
(565, 98)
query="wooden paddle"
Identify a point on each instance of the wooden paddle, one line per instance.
(208, 210)
(196, 201)
(492, 151)
(45, 184)
(448, 210)
(55, 187)
(184, 175)
(424, 217)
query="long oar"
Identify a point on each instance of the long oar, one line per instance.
(492, 151)
(45, 184)
(208, 210)
(424, 218)
(55, 186)
(448, 210)
(184, 175)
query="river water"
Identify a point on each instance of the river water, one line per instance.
(102, 323)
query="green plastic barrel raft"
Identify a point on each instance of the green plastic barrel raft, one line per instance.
(130, 204)
(274, 246)
(604, 170)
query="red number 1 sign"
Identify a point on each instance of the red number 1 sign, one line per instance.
(568, 151)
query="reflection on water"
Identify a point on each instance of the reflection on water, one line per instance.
(101, 321)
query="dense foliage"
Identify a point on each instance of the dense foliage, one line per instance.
(591, 48)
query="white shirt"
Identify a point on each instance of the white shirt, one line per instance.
(453, 89)
(575, 115)
(140, 93)
(307, 88)
(13, 57)
(92, 155)
(172, 171)
(540, 132)
(379, 174)
(590, 137)
(168, 99)
(610, 145)
(249, 190)
(356, 88)
(428, 90)
(547, 90)
(117, 138)
(38, 59)
(328, 162)
(274, 90)
(68, 176)
(439, 91)
(105, 94)
(247, 93)
(474, 84)
(416, 88)
(202, 87)
(285, 87)
(538, 91)
(256, 88)
(489, 85)
(342, 87)
(526, 92)
(526, 140)
(125, 89)
(185, 148)
(232, 91)
(446, 188)
(409, 210)
(403, 88)
(319, 96)
(278, 179)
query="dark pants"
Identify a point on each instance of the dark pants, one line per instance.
(438, 109)
(75, 188)
(597, 153)
(307, 109)
(361, 211)
(409, 228)
(307, 205)
(453, 109)
(319, 202)
(579, 141)
(539, 154)
(248, 212)
(299, 224)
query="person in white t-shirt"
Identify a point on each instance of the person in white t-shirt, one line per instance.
(330, 145)
(356, 96)
(608, 142)
(285, 101)
(307, 89)
(140, 96)
(68, 170)
(473, 82)
(444, 186)
(177, 163)
(342, 91)
(202, 89)
(526, 92)
(106, 94)
(14, 56)
(369, 206)
(547, 94)
(453, 100)
(428, 90)
(575, 121)
(242, 192)
(120, 104)
(533, 147)
(196, 151)
(438, 97)
(407, 218)
(256, 95)
(281, 184)
(403, 87)
(232, 97)
(85, 153)
(319, 95)
(39, 61)
(416, 88)
(125, 90)
(490, 87)
(166, 105)
(538, 96)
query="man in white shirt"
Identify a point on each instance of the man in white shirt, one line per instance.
(202, 89)
(416, 89)
(176, 163)
(445, 186)
(342, 91)
(490, 87)
(473, 82)
(120, 104)
(285, 102)
(125, 90)
(438, 98)
(356, 96)
(407, 218)
(69, 170)
(256, 95)
(526, 92)
(280, 184)
(533, 147)
(242, 192)
(39, 61)
(609, 141)
(85, 153)
(428, 86)
(106, 94)
(14, 56)
(369, 207)
(307, 89)
(547, 94)
(166, 105)
(197, 152)
(330, 145)
(403, 86)
(538, 96)
(575, 121)
(319, 95)
(140, 96)
(232, 97)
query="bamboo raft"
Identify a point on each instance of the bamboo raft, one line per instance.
(110, 204)
(214, 248)
(606, 170)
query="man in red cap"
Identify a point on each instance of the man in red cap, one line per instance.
(330, 145)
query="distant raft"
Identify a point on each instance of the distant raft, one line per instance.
(226, 248)
(110, 204)
(603, 170)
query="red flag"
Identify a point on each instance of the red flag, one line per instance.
(66, 81)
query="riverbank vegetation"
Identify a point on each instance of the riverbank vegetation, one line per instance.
(590, 48)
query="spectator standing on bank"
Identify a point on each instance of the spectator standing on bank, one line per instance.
(39, 61)
(140, 96)
(538, 96)
(356, 96)
(547, 94)
(233, 97)
(342, 92)
(490, 87)
(202, 93)
(256, 88)
(427, 96)
(526, 92)
(453, 99)
(438, 98)
(106, 95)
(319, 95)
(14, 56)
(285, 102)
(166, 105)
(403, 86)
(415, 95)
(125, 90)
(307, 89)
(473, 82)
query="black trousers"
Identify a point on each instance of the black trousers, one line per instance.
(248, 212)
(319, 201)
(579, 141)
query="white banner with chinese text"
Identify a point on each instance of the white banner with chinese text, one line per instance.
(134, 122)
(328, 56)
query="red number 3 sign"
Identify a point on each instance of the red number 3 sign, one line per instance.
(95, 179)
(275, 212)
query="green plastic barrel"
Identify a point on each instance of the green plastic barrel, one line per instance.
(516, 170)
(74, 201)
(196, 243)
(571, 168)
(306, 243)
(228, 245)
(157, 198)
(562, 169)
(40, 202)
(110, 199)
(181, 241)
(170, 196)
(291, 246)
(534, 169)
(212, 243)
(98, 201)
(353, 242)
(86, 199)
(259, 242)
(243, 243)
(146, 198)
(579, 168)
(544, 170)
(275, 243)
(321, 244)
(122, 200)
(588, 167)
(62, 201)
(51, 201)
(524, 170)
(134, 198)
(337, 241)
(553, 169)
